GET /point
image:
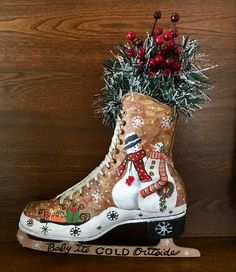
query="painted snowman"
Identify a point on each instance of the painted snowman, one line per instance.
(131, 174)
(158, 195)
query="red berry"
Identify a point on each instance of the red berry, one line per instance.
(158, 31)
(141, 52)
(167, 36)
(175, 17)
(175, 66)
(178, 50)
(152, 62)
(170, 43)
(151, 74)
(131, 36)
(167, 72)
(169, 61)
(159, 40)
(175, 33)
(164, 49)
(131, 53)
(158, 59)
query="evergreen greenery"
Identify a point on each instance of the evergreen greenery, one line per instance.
(183, 90)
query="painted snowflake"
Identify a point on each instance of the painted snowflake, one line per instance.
(36, 244)
(75, 231)
(137, 121)
(45, 229)
(112, 215)
(166, 122)
(167, 242)
(164, 228)
(30, 222)
(97, 195)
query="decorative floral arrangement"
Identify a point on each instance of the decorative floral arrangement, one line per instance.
(159, 66)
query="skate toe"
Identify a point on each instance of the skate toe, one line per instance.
(38, 209)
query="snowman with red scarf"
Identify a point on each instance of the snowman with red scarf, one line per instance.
(131, 174)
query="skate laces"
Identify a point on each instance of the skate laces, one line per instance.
(98, 171)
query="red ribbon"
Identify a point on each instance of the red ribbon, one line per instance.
(136, 159)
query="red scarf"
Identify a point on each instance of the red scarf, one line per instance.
(136, 159)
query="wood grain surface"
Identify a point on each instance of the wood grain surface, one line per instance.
(50, 68)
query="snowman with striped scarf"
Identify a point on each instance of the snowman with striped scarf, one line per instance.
(160, 194)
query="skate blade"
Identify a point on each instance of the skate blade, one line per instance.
(165, 248)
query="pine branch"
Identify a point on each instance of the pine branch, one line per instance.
(184, 90)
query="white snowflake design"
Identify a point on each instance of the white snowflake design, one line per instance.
(167, 242)
(163, 228)
(36, 245)
(45, 229)
(166, 122)
(75, 231)
(137, 121)
(112, 215)
(99, 227)
(97, 195)
(30, 222)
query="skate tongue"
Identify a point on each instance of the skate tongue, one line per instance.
(98, 170)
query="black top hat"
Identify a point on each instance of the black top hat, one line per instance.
(131, 140)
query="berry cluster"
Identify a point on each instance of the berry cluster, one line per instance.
(165, 58)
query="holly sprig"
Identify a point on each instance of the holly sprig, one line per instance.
(159, 66)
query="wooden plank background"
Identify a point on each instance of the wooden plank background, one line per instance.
(50, 67)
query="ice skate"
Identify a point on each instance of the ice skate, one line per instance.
(108, 198)
(136, 183)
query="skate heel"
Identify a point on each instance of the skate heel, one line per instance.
(165, 228)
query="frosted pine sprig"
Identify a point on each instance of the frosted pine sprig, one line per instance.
(158, 66)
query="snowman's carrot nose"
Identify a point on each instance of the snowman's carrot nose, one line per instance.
(143, 143)
(152, 146)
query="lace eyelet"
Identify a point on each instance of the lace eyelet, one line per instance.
(123, 112)
(122, 132)
(109, 167)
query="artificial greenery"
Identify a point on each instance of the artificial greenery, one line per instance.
(183, 88)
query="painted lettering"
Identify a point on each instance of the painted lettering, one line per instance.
(82, 248)
(139, 251)
(61, 248)
(112, 251)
